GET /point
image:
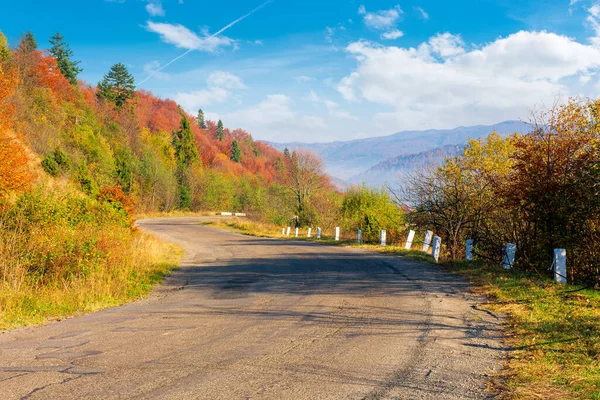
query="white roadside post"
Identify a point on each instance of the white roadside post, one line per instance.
(282, 231)
(337, 233)
(296, 232)
(382, 237)
(409, 240)
(319, 233)
(560, 266)
(288, 231)
(437, 245)
(308, 234)
(359, 238)
(509, 256)
(427, 241)
(469, 250)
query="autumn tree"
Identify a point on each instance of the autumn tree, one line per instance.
(236, 152)
(555, 184)
(200, 119)
(220, 131)
(63, 54)
(463, 198)
(118, 86)
(305, 177)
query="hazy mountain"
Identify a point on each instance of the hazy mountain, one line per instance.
(393, 169)
(350, 158)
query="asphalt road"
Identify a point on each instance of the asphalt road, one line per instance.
(250, 318)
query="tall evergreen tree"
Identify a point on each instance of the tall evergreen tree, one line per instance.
(63, 53)
(220, 131)
(200, 119)
(185, 144)
(236, 152)
(186, 153)
(117, 86)
(27, 44)
(286, 152)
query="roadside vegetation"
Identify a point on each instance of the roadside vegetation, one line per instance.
(63, 254)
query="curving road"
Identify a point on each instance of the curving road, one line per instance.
(250, 318)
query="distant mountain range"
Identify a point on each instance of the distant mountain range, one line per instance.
(393, 169)
(376, 160)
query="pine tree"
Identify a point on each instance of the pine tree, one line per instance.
(220, 131)
(286, 152)
(200, 119)
(117, 86)
(27, 44)
(236, 152)
(185, 144)
(186, 154)
(63, 53)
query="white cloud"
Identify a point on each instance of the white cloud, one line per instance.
(381, 20)
(329, 31)
(182, 37)
(333, 108)
(446, 45)
(155, 8)
(593, 19)
(391, 35)
(225, 80)
(219, 86)
(303, 79)
(423, 13)
(273, 119)
(497, 81)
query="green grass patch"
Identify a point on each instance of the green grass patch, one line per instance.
(553, 330)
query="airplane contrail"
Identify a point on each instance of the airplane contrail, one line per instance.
(213, 35)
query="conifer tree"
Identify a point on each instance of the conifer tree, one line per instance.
(200, 119)
(117, 86)
(63, 53)
(286, 152)
(27, 44)
(186, 154)
(220, 131)
(236, 152)
(185, 144)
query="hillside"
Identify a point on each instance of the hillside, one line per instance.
(345, 159)
(63, 132)
(394, 169)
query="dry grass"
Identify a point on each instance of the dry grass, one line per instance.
(60, 256)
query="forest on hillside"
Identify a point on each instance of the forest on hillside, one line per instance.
(58, 131)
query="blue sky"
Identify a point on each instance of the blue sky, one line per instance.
(334, 70)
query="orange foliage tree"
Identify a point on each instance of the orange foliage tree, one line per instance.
(14, 172)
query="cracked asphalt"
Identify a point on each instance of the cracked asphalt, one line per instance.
(253, 318)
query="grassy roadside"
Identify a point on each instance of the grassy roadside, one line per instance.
(553, 330)
(66, 254)
(141, 266)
